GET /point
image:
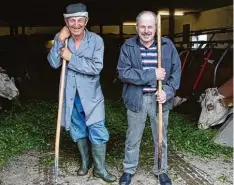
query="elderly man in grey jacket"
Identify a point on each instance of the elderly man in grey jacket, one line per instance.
(83, 109)
(137, 67)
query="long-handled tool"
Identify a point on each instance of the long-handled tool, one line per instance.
(59, 118)
(160, 120)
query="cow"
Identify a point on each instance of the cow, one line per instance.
(8, 89)
(215, 107)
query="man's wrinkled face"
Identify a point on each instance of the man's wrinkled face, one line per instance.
(146, 28)
(76, 25)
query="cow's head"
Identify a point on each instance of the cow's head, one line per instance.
(7, 87)
(214, 111)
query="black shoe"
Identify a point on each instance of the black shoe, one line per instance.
(156, 176)
(164, 179)
(125, 179)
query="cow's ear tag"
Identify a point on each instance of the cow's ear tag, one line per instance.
(230, 104)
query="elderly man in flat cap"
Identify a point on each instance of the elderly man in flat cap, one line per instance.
(83, 109)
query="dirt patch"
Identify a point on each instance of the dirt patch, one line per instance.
(184, 169)
(220, 170)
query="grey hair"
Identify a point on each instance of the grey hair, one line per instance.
(146, 12)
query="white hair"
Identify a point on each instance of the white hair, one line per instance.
(144, 13)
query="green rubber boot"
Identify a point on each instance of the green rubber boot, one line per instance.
(99, 155)
(83, 147)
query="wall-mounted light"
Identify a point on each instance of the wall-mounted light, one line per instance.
(177, 13)
(129, 24)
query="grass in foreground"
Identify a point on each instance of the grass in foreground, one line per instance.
(34, 126)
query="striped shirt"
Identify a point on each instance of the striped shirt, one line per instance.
(149, 61)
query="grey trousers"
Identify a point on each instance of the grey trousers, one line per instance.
(136, 125)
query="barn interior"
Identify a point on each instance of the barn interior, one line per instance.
(202, 32)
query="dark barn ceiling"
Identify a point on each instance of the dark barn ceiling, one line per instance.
(106, 12)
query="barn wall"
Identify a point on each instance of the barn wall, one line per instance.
(4, 31)
(220, 17)
(216, 18)
(39, 30)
